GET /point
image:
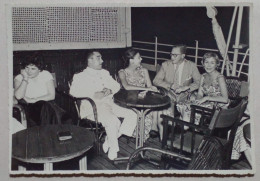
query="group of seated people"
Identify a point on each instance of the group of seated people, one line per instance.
(178, 76)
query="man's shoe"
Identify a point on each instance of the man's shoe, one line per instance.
(154, 134)
(112, 154)
(105, 146)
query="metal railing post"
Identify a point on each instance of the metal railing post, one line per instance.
(242, 64)
(155, 53)
(196, 52)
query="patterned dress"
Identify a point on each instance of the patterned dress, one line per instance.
(138, 79)
(212, 90)
(240, 145)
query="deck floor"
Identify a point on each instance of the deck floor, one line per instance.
(101, 162)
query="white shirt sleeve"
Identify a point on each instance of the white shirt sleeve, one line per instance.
(46, 76)
(111, 83)
(19, 78)
(82, 86)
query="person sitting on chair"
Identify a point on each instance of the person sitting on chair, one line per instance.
(178, 76)
(136, 77)
(97, 84)
(33, 88)
(212, 90)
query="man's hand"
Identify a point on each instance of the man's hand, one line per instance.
(181, 89)
(99, 95)
(107, 91)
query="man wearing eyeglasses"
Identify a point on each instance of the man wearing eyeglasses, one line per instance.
(178, 75)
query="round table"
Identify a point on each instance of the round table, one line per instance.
(41, 144)
(141, 106)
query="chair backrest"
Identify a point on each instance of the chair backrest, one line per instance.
(233, 86)
(19, 114)
(228, 117)
(54, 79)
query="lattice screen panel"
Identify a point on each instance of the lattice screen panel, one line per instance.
(104, 26)
(70, 27)
(29, 25)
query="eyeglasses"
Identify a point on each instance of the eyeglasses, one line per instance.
(174, 55)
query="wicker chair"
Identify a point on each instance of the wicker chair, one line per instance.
(19, 114)
(92, 125)
(233, 88)
(179, 148)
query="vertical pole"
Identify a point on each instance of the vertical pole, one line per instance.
(155, 53)
(228, 41)
(196, 52)
(236, 46)
(83, 163)
(48, 166)
(242, 64)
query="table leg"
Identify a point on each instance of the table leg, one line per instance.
(83, 163)
(48, 167)
(139, 132)
(21, 168)
(140, 127)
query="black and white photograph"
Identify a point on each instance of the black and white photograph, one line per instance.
(130, 89)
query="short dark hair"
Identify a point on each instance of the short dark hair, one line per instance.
(211, 55)
(90, 54)
(129, 54)
(35, 60)
(183, 48)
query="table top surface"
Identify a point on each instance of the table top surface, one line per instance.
(40, 144)
(130, 98)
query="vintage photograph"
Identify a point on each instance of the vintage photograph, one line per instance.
(130, 89)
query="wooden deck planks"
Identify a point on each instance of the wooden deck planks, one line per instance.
(101, 162)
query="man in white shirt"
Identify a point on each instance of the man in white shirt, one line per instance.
(97, 84)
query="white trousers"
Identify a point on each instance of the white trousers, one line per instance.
(108, 113)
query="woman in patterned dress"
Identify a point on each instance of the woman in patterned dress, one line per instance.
(212, 90)
(135, 77)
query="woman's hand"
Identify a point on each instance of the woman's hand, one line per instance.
(153, 88)
(202, 100)
(24, 74)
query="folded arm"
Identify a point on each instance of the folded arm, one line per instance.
(159, 79)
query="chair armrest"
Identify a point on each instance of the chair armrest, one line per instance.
(22, 113)
(93, 104)
(76, 100)
(200, 109)
(183, 123)
(167, 152)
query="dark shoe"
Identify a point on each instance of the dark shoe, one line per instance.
(154, 134)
